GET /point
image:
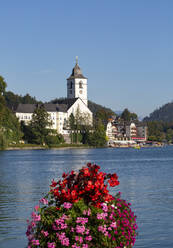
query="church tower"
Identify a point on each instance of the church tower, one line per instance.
(77, 84)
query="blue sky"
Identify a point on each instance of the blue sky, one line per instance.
(125, 48)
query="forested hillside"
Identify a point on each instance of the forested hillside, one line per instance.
(12, 100)
(164, 113)
(160, 124)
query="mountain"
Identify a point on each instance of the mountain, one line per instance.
(100, 111)
(164, 113)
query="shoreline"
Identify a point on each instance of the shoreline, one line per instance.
(68, 147)
(11, 148)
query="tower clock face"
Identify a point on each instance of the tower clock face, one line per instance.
(80, 91)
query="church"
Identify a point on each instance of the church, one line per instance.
(59, 113)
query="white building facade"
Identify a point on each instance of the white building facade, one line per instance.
(126, 133)
(59, 113)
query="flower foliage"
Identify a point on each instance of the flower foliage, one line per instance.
(79, 212)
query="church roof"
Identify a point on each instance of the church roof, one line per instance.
(76, 72)
(25, 108)
(60, 106)
(67, 101)
(50, 107)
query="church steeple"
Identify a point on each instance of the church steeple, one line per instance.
(76, 72)
(77, 84)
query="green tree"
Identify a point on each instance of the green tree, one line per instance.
(169, 135)
(3, 85)
(125, 115)
(128, 116)
(79, 125)
(97, 138)
(40, 125)
(55, 139)
(13, 100)
(9, 125)
(156, 131)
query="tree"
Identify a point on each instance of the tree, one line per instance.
(55, 139)
(128, 116)
(79, 124)
(169, 135)
(3, 85)
(40, 125)
(98, 137)
(13, 100)
(125, 115)
(9, 125)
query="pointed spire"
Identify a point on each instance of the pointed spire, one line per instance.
(76, 60)
(76, 72)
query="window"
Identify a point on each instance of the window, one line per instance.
(80, 85)
(71, 85)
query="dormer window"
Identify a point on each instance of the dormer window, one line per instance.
(80, 85)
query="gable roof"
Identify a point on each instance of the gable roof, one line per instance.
(60, 106)
(25, 108)
(67, 101)
(50, 107)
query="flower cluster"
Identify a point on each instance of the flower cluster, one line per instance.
(89, 184)
(81, 222)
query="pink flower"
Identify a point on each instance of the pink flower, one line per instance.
(37, 207)
(88, 238)
(101, 216)
(80, 229)
(75, 246)
(67, 205)
(51, 245)
(45, 233)
(113, 224)
(104, 207)
(82, 220)
(44, 201)
(85, 246)
(35, 217)
(35, 242)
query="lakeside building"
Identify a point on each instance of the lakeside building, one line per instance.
(59, 113)
(123, 133)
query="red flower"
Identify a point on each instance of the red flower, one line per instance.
(88, 183)
(53, 184)
(86, 172)
(73, 194)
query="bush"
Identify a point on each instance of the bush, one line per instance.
(79, 212)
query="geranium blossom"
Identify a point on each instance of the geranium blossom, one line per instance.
(79, 212)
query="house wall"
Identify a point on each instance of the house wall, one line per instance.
(83, 109)
(26, 117)
(142, 132)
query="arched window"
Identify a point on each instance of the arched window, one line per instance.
(80, 85)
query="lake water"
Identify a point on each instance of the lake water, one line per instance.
(145, 180)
